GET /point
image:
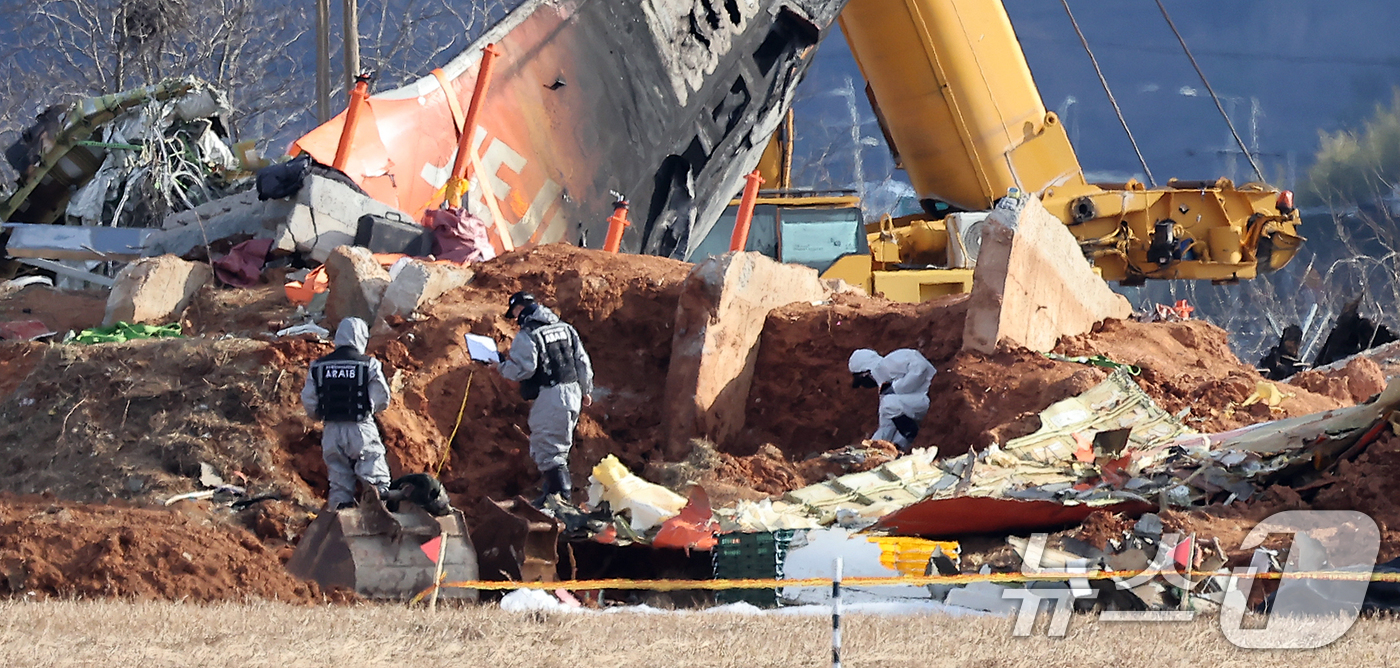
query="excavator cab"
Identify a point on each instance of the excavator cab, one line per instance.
(808, 227)
(380, 554)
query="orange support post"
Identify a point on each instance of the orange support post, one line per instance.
(745, 218)
(616, 223)
(358, 96)
(456, 187)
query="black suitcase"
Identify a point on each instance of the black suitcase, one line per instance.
(393, 234)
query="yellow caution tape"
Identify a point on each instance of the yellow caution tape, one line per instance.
(966, 578)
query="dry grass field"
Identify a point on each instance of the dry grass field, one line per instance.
(267, 634)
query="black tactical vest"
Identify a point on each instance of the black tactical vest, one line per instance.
(342, 386)
(555, 363)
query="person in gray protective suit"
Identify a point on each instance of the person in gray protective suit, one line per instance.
(345, 389)
(548, 360)
(903, 378)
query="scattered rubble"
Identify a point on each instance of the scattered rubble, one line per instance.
(158, 149)
(415, 284)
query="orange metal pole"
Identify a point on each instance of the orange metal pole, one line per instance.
(358, 97)
(464, 143)
(745, 218)
(616, 223)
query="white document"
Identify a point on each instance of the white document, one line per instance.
(483, 348)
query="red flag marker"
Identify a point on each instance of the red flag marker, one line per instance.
(430, 548)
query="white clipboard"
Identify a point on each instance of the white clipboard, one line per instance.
(483, 349)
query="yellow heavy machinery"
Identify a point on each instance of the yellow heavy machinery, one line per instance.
(954, 95)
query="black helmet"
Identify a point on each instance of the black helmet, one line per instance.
(525, 302)
(521, 298)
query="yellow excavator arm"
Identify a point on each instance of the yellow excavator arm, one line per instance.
(964, 118)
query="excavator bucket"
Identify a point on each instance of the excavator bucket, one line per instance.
(380, 554)
(518, 542)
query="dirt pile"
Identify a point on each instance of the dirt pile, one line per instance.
(623, 307)
(71, 550)
(1352, 383)
(769, 472)
(61, 310)
(1189, 365)
(802, 399)
(136, 420)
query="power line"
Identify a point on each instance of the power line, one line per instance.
(1109, 91)
(1243, 149)
(1296, 60)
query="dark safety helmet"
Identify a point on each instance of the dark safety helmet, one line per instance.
(523, 301)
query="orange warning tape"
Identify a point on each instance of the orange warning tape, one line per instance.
(966, 578)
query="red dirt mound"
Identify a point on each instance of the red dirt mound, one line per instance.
(61, 310)
(52, 549)
(1190, 365)
(624, 309)
(802, 400)
(136, 420)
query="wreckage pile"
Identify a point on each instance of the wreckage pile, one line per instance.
(144, 421)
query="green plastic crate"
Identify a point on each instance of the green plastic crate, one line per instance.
(751, 556)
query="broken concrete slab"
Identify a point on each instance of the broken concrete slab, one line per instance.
(417, 284)
(74, 242)
(68, 271)
(324, 215)
(154, 290)
(357, 284)
(1033, 285)
(224, 218)
(723, 306)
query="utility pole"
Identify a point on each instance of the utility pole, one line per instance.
(323, 60)
(352, 44)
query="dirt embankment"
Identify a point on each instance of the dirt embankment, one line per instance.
(50, 548)
(61, 310)
(623, 307)
(802, 399)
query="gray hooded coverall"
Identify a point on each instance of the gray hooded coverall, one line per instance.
(353, 449)
(555, 412)
(904, 377)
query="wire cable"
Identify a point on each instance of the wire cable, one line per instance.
(1243, 149)
(1109, 91)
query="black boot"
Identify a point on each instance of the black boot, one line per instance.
(555, 481)
(546, 488)
(563, 483)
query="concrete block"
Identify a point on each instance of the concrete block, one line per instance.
(236, 215)
(155, 290)
(1033, 285)
(325, 216)
(357, 284)
(418, 284)
(723, 306)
